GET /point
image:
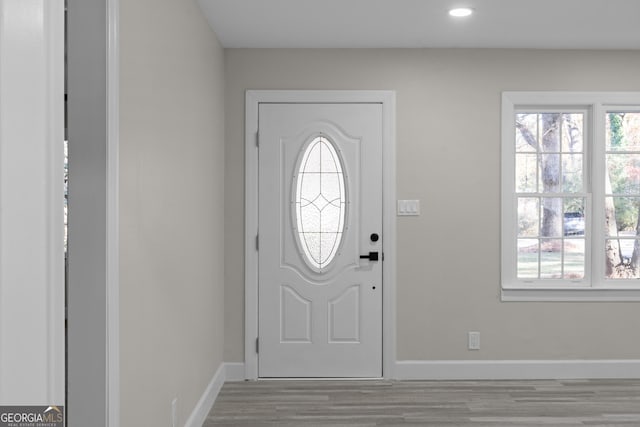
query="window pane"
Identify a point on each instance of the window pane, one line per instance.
(320, 203)
(623, 218)
(550, 174)
(309, 188)
(309, 219)
(549, 135)
(574, 221)
(572, 132)
(624, 173)
(551, 259)
(621, 254)
(332, 188)
(572, 173)
(328, 162)
(330, 220)
(622, 257)
(573, 263)
(528, 253)
(528, 216)
(627, 246)
(311, 162)
(311, 246)
(328, 246)
(526, 132)
(574, 258)
(526, 173)
(551, 212)
(622, 131)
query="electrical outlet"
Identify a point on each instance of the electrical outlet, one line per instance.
(474, 340)
(174, 412)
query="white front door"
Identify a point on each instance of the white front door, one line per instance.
(320, 240)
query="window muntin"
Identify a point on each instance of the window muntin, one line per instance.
(550, 198)
(320, 200)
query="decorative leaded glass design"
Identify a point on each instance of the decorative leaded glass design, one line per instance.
(320, 203)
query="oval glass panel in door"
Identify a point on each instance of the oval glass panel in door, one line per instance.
(320, 203)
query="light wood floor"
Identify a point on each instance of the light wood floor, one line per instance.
(427, 403)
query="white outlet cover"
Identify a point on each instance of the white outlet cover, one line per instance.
(474, 341)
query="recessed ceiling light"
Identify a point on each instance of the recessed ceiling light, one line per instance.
(461, 12)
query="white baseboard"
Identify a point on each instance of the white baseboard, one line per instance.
(225, 372)
(204, 405)
(234, 371)
(515, 369)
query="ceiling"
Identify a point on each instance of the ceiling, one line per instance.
(543, 24)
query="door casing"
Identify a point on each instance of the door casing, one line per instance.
(32, 341)
(93, 392)
(253, 99)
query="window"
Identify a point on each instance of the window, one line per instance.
(570, 196)
(549, 177)
(622, 194)
(320, 203)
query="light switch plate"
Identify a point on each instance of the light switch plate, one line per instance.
(408, 207)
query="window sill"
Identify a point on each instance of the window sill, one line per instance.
(626, 294)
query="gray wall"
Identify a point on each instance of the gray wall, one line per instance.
(171, 211)
(449, 257)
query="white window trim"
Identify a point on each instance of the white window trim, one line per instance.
(591, 288)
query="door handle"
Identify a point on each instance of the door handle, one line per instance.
(373, 256)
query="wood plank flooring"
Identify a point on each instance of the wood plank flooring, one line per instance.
(331, 403)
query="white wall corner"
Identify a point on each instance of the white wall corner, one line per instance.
(516, 369)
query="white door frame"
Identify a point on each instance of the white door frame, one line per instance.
(388, 101)
(32, 364)
(31, 227)
(93, 130)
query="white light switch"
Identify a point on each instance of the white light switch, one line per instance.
(408, 207)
